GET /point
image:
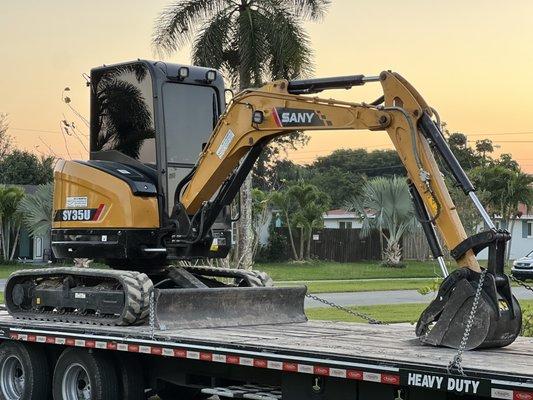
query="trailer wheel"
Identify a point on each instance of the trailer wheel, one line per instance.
(130, 377)
(24, 372)
(84, 375)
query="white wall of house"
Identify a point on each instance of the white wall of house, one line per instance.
(342, 223)
(339, 219)
(522, 237)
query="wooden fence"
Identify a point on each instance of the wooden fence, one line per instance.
(415, 246)
(348, 245)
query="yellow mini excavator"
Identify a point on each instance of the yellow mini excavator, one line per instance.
(167, 158)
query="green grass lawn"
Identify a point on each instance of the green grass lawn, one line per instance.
(330, 277)
(6, 270)
(362, 286)
(391, 313)
(361, 270)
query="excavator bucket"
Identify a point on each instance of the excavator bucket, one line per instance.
(228, 306)
(496, 322)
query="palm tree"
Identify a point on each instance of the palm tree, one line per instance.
(311, 204)
(389, 201)
(302, 206)
(10, 219)
(506, 190)
(250, 41)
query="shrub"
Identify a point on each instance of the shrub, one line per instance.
(527, 321)
(275, 250)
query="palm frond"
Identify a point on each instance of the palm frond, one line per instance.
(176, 24)
(304, 9)
(252, 48)
(389, 200)
(36, 210)
(312, 9)
(289, 49)
(10, 197)
(210, 45)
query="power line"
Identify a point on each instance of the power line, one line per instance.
(511, 141)
(34, 130)
(499, 133)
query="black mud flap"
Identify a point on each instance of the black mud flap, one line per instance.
(228, 306)
(496, 323)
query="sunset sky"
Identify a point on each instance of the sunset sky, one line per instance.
(472, 60)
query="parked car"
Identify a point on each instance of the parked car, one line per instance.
(523, 267)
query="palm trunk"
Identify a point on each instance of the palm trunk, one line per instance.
(309, 237)
(291, 237)
(15, 242)
(301, 244)
(244, 229)
(4, 243)
(511, 228)
(244, 248)
(7, 240)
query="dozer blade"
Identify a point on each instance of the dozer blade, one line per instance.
(496, 322)
(228, 306)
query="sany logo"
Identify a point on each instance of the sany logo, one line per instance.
(297, 117)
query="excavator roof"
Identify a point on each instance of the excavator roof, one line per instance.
(171, 71)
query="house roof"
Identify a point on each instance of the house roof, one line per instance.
(524, 209)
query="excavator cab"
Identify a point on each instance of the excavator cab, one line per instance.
(149, 123)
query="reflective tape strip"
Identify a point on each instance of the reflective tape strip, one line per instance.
(265, 363)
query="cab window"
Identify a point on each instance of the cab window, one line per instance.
(122, 112)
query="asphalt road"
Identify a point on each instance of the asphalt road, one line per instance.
(389, 297)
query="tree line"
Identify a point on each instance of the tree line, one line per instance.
(17, 208)
(373, 185)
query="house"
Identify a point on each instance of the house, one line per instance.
(342, 219)
(522, 233)
(333, 219)
(522, 229)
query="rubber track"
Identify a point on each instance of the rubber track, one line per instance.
(138, 288)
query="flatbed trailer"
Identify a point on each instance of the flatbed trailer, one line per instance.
(312, 360)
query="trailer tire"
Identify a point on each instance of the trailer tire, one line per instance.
(80, 371)
(26, 361)
(130, 377)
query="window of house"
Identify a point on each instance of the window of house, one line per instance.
(530, 229)
(345, 225)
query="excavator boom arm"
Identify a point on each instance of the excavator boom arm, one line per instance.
(256, 117)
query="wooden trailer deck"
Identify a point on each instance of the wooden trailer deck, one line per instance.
(344, 350)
